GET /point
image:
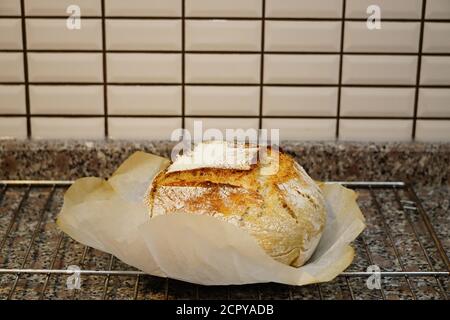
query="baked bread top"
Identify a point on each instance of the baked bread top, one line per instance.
(271, 197)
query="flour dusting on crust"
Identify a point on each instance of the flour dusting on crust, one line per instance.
(216, 154)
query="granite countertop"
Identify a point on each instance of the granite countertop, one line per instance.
(418, 163)
(425, 166)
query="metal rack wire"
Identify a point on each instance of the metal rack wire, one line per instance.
(34, 255)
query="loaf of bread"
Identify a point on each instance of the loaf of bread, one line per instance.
(270, 196)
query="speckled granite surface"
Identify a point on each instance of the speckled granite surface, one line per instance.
(406, 230)
(425, 164)
(394, 239)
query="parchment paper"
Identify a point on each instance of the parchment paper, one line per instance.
(110, 216)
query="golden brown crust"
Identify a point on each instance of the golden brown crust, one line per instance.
(285, 211)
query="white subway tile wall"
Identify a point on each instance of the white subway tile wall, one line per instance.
(222, 68)
(392, 37)
(434, 102)
(212, 126)
(10, 7)
(143, 67)
(11, 66)
(397, 9)
(377, 102)
(12, 99)
(52, 34)
(144, 100)
(10, 34)
(142, 128)
(139, 69)
(67, 128)
(435, 70)
(64, 67)
(303, 101)
(13, 127)
(302, 36)
(433, 130)
(222, 100)
(66, 99)
(90, 8)
(436, 38)
(379, 70)
(225, 9)
(304, 8)
(438, 9)
(375, 130)
(302, 129)
(143, 35)
(301, 69)
(223, 35)
(142, 8)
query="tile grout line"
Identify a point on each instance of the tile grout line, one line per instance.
(226, 84)
(183, 64)
(25, 68)
(417, 86)
(227, 52)
(341, 58)
(222, 18)
(83, 115)
(419, 69)
(261, 67)
(105, 74)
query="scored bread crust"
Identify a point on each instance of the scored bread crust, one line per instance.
(284, 212)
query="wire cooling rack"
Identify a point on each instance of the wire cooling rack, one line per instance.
(35, 256)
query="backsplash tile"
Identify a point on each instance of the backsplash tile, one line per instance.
(53, 34)
(144, 100)
(377, 102)
(302, 36)
(144, 67)
(433, 130)
(68, 128)
(434, 102)
(59, 7)
(222, 100)
(392, 37)
(228, 35)
(438, 9)
(435, 70)
(436, 38)
(303, 101)
(12, 99)
(11, 66)
(65, 67)
(13, 127)
(303, 129)
(143, 34)
(304, 8)
(221, 124)
(66, 100)
(397, 9)
(220, 8)
(9, 7)
(222, 68)
(375, 130)
(372, 69)
(10, 34)
(139, 69)
(153, 8)
(311, 69)
(142, 128)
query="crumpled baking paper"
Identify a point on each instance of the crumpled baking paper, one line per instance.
(110, 216)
